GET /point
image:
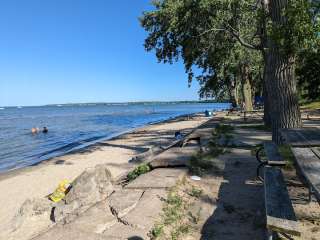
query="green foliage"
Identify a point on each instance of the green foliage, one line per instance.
(300, 29)
(286, 153)
(157, 231)
(173, 209)
(195, 192)
(200, 32)
(141, 169)
(308, 74)
(311, 105)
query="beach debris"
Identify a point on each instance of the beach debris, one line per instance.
(60, 191)
(195, 178)
(92, 186)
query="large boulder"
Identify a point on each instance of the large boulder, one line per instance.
(32, 218)
(92, 186)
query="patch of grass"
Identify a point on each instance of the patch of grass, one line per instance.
(195, 192)
(173, 210)
(139, 170)
(194, 219)
(311, 105)
(287, 154)
(182, 229)
(157, 231)
(201, 163)
(260, 127)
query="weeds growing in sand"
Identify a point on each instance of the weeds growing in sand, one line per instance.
(176, 217)
(139, 170)
(195, 192)
(204, 161)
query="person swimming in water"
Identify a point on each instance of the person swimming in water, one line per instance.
(45, 130)
(35, 130)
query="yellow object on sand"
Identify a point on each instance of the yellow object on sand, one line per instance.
(60, 191)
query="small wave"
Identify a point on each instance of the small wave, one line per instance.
(2, 108)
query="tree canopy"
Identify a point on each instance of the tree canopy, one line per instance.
(251, 42)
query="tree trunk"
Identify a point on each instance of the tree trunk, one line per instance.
(246, 87)
(280, 79)
(266, 110)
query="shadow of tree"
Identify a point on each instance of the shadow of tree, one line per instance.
(240, 206)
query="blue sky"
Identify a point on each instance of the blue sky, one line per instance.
(64, 51)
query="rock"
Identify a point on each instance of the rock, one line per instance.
(92, 186)
(123, 201)
(158, 178)
(32, 218)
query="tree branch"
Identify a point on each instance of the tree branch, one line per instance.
(237, 36)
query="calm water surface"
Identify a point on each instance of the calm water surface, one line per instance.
(76, 126)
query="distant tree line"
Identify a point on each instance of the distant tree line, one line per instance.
(244, 48)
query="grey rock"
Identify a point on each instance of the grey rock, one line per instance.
(32, 218)
(123, 201)
(92, 186)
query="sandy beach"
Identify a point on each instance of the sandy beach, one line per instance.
(38, 181)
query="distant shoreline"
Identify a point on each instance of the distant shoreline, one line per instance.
(115, 103)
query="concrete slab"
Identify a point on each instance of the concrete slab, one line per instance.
(67, 232)
(95, 220)
(121, 232)
(174, 157)
(147, 212)
(157, 179)
(123, 201)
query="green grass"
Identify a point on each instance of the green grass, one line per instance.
(287, 154)
(157, 231)
(195, 192)
(139, 170)
(201, 163)
(311, 105)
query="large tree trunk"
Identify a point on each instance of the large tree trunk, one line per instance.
(280, 79)
(266, 110)
(246, 87)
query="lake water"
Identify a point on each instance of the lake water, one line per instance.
(76, 126)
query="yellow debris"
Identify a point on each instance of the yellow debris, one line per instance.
(60, 191)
